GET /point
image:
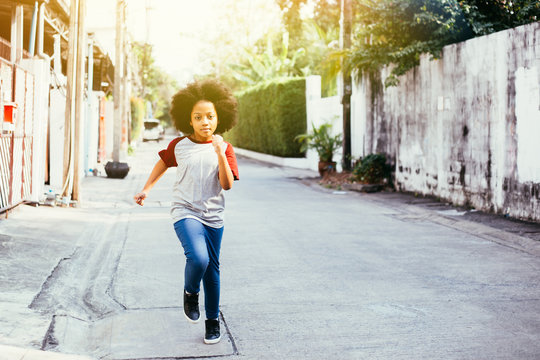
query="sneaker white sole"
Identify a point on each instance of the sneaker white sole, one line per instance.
(192, 321)
(213, 341)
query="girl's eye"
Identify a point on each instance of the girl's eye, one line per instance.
(210, 116)
(197, 117)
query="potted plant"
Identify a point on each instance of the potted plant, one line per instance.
(116, 170)
(324, 143)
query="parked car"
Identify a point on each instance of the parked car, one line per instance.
(152, 130)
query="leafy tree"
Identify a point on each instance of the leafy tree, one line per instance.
(486, 17)
(318, 35)
(291, 19)
(157, 87)
(321, 43)
(220, 40)
(397, 32)
(326, 14)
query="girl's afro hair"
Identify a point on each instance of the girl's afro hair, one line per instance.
(210, 90)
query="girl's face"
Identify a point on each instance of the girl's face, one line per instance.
(204, 120)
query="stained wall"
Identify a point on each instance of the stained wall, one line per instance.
(465, 128)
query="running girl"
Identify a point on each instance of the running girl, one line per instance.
(205, 166)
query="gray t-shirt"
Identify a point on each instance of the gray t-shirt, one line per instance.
(197, 192)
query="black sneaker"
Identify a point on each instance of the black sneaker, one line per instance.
(212, 335)
(191, 307)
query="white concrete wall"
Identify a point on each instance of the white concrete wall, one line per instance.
(464, 128)
(319, 111)
(358, 120)
(57, 119)
(42, 79)
(528, 123)
(91, 131)
(89, 135)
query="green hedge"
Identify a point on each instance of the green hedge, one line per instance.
(271, 114)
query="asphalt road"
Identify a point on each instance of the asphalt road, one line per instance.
(307, 273)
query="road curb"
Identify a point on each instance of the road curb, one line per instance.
(501, 237)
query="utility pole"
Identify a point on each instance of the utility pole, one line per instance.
(146, 49)
(126, 118)
(79, 100)
(17, 31)
(74, 102)
(118, 81)
(346, 23)
(115, 168)
(70, 102)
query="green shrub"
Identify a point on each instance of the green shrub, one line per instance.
(137, 117)
(371, 169)
(271, 115)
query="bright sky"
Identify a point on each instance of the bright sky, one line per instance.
(183, 31)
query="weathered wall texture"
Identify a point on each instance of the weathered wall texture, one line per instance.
(465, 128)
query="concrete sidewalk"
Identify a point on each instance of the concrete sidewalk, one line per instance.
(15, 353)
(75, 280)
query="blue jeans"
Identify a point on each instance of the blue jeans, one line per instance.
(201, 245)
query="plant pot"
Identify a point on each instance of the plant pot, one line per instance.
(116, 170)
(367, 188)
(326, 167)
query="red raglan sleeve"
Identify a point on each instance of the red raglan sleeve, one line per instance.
(167, 155)
(231, 159)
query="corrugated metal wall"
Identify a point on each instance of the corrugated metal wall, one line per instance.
(16, 145)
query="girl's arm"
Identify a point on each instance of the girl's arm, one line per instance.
(157, 172)
(226, 177)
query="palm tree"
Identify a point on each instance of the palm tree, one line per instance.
(268, 65)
